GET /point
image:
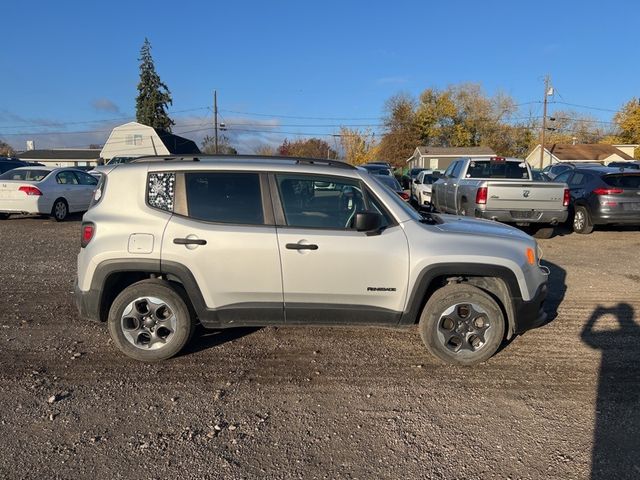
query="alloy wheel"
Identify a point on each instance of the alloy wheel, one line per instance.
(464, 326)
(148, 323)
(579, 220)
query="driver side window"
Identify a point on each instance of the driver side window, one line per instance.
(310, 201)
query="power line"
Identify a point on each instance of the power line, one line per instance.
(297, 117)
(587, 107)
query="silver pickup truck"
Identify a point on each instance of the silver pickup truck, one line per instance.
(501, 189)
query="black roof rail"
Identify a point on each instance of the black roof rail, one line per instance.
(197, 158)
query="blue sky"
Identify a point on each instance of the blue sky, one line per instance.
(72, 66)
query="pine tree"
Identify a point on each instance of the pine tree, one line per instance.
(153, 95)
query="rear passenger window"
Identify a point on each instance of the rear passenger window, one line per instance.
(66, 178)
(224, 197)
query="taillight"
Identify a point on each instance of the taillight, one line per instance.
(404, 195)
(30, 190)
(88, 230)
(567, 198)
(481, 196)
(607, 191)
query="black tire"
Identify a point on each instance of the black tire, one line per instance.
(542, 232)
(463, 209)
(163, 341)
(446, 334)
(581, 221)
(4, 216)
(60, 210)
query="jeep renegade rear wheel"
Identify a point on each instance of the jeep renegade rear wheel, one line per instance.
(461, 324)
(149, 321)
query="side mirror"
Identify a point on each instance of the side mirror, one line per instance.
(416, 181)
(368, 221)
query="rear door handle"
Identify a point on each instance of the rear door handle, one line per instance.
(301, 246)
(189, 241)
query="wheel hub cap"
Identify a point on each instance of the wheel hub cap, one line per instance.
(148, 323)
(464, 327)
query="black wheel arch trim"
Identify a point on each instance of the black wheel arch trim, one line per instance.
(424, 284)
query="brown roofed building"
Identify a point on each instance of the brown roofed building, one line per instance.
(439, 158)
(581, 152)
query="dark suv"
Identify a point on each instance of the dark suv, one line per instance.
(602, 196)
(7, 164)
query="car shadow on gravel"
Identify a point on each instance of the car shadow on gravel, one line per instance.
(204, 339)
(616, 437)
(557, 288)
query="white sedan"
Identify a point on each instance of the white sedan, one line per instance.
(421, 187)
(45, 191)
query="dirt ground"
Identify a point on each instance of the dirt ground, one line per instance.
(562, 401)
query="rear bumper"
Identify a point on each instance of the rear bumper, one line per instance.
(621, 218)
(87, 303)
(27, 205)
(552, 217)
(530, 314)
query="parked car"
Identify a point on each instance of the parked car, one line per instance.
(45, 191)
(394, 185)
(249, 241)
(501, 189)
(421, 187)
(553, 170)
(410, 176)
(378, 169)
(632, 165)
(7, 163)
(384, 164)
(602, 196)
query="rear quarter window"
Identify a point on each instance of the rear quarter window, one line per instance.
(224, 197)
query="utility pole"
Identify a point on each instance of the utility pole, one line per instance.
(215, 118)
(544, 119)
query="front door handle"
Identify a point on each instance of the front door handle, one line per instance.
(189, 241)
(301, 246)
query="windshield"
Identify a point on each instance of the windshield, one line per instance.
(390, 182)
(29, 175)
(415, 171)
(429, 179)
(377, 170)
(497, 169)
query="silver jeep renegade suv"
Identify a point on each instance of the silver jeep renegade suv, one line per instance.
(170, 242)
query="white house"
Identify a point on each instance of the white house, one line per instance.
(439, 158)
(62, 157)
(581, 152)
(134, 139)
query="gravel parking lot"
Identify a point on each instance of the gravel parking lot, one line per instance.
(562, 401)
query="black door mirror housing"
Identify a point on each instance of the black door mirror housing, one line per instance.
(368, 222)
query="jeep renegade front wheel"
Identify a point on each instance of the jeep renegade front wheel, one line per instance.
(461, 324)
(149, 321)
